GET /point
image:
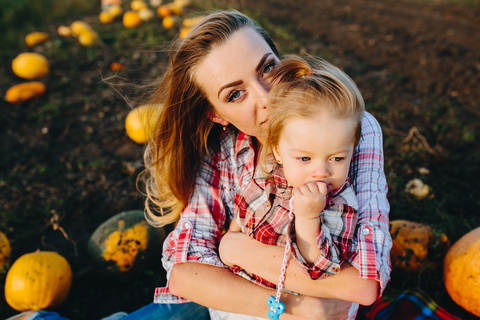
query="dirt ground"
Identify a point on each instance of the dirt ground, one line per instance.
(417, 64)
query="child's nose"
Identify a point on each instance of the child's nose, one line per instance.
(320, 171)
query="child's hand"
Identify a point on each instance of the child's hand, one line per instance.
(310, 199)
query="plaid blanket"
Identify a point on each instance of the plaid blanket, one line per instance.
(412, 304)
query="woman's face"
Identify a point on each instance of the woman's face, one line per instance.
(236, 79)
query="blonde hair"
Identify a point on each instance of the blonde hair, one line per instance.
(304, 89)
(182, 131)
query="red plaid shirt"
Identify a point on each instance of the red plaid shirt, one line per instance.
(230, 168)
(261, 211)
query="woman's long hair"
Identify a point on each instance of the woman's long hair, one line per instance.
(182, 127)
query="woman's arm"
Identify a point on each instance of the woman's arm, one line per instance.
(220, 289)
(265, 261)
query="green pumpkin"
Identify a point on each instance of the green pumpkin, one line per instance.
(121, 246)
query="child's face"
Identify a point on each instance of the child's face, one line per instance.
(316, 149)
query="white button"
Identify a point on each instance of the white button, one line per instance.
(186, 225)
(365, 231)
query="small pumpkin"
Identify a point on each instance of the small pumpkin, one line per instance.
(115, 66)
(120, 247)
(64, 31)
(462, 272)
(131, 19)
(115, 10)
(415, 246)
(164, 11)
(33, 38)
(4, 250)
(138, 5)
(30, 65)
(139, 123)
(87, 38)
(79, 27)
(169, 22)
(106, 17)
(38, 280)
(25, 91)
(191, 22)
(146, 14)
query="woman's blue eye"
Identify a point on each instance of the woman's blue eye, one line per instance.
(234, 95)
(269, 67)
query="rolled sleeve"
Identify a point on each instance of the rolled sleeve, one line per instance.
(371, 254)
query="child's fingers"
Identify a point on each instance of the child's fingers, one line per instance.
(322, 187)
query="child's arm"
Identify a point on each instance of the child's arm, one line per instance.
(309, 202)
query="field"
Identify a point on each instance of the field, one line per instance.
(417, 64)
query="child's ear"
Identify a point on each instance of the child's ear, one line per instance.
(212, 116)
(277, 155)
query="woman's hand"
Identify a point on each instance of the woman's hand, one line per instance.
(314, 308)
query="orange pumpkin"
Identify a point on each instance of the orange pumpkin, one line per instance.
(4, 250)
(38, 280)
(462, 272)
(25, 91)
(415, 246)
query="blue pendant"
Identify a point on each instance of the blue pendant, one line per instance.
(276, 308)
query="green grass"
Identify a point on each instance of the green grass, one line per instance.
(20, 17)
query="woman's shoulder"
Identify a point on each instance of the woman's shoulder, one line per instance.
(370, 125)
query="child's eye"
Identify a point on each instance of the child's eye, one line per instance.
(304, 159)
(268, 67)
(234, 95)
(338, 159)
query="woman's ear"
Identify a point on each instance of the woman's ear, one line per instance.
(212, 116)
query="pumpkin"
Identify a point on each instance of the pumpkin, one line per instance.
(87, 38)
(64, 31)
(38, 280)
(139, 122)
(415, 246)
(138, 5)
(145, 14)
(131, 19)
(115, 10)
(106, 17)
(79, 27)
(183, 32)
(25, 91)
(462, 272)
(30, 65)
(4, 250)
(115, 66)
(164, 11)
(169, 22)
(33, 38)
(191, 22)
(120, 247)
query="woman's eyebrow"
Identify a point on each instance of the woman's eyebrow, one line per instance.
(238, 82)
(260, 64)
(228, 85)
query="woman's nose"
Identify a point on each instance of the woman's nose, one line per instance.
(261, 94)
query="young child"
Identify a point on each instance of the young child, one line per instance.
(315, 113)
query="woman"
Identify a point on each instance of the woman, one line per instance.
(204, 149)
(220, 74)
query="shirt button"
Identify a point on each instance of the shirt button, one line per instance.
(186, 225)
(365, 231)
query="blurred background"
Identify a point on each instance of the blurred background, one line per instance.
(66, 156)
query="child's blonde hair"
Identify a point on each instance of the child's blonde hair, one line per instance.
(303, 89)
